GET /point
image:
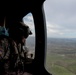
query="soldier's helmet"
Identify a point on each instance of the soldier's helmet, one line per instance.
(16, 32)
(3, 32)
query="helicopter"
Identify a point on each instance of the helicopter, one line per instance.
(15, 11)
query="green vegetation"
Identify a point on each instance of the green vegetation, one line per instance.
(59, 70)
(72, 68)
(61, 56)
(60, 64)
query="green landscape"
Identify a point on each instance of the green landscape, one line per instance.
(61, 65)
(61, 56)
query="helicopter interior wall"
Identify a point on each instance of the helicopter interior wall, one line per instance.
(18, 9)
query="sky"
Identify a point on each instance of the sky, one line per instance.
(60, 18)
(28, 20)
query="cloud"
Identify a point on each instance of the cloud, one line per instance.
(28, 20)
(60, 18)
(53, 30)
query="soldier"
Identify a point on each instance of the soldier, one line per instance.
(4, 50)
(19, 34)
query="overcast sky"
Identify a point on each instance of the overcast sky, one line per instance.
(60, 18)
(28, 20)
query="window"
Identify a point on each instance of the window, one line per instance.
(61, 36)
(30, 41)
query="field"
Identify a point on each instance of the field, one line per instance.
(60, 64)
(61, 57)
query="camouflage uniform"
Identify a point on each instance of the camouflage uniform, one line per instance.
(20, 59)
(4, 51)
(13, 55)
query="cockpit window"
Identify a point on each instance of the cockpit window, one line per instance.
(61, 36)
